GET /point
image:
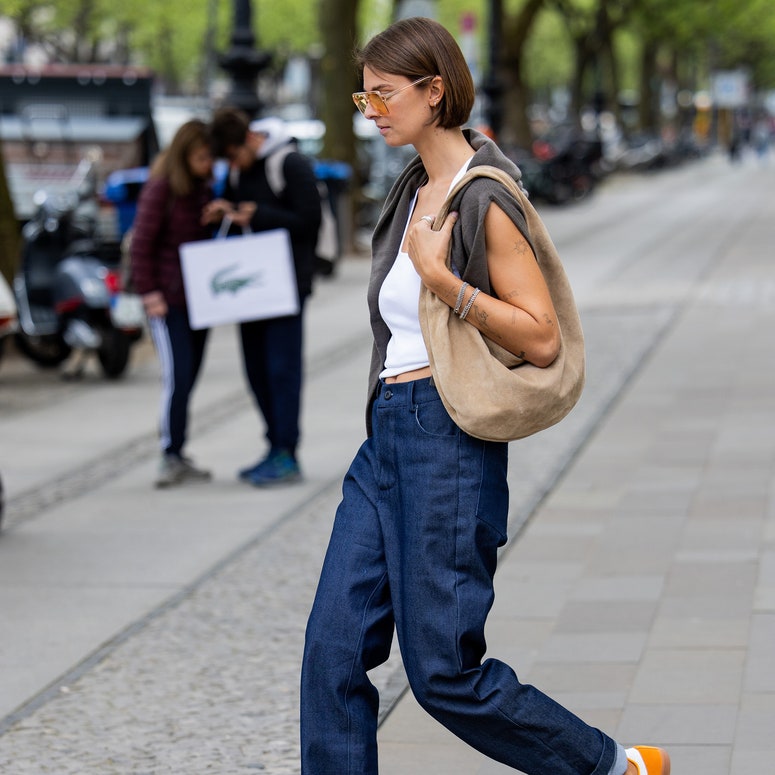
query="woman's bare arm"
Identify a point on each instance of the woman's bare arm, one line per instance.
(520, 315)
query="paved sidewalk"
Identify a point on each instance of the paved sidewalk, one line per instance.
(642, 592)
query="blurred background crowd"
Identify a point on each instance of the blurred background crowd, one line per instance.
(573, 90)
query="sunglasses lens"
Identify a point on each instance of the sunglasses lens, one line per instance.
(378, 105)
(361, 101)
(366, 99)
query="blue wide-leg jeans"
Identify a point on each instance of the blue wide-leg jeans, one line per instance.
(414, 546)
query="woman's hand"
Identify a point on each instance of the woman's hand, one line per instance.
(154, 304)
(243, 214)
(429, 249)
(216, 211)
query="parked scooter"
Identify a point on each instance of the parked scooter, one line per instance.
(69, 300)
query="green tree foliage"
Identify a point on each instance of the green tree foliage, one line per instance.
(291, 25)
(77, 30)
(746, 38)
(589, 45)
(174, 41)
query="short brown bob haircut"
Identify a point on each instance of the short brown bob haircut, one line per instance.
(417, 47)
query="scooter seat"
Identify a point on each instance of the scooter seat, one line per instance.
(82, 247)
(38, 282)
(44, 318)
(39, 267)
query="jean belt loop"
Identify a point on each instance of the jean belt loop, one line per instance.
(412, 400)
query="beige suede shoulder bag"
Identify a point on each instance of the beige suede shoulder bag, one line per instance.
(489, 392)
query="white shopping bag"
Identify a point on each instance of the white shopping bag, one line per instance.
(237, 279)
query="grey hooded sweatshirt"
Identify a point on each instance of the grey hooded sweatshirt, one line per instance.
(469, 256)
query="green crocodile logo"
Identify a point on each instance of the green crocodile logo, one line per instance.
(222, 283)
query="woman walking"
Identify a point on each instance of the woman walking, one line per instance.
(425, 505)
(169, 213)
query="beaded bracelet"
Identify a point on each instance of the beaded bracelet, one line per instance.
(470, 304)
(459, 301)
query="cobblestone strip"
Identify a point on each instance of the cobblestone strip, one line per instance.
(205, 684)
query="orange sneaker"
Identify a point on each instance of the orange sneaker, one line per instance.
(649, 760)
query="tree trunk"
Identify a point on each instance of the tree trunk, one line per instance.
(582, 60)
(165, 39)
(338, 79)
(9, 228)
(516, 124)
(615, 81)
(82, 50)
(647, 114)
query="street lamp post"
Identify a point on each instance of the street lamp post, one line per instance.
(243, 61)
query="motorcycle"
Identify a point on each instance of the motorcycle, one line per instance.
(563, 165)
(69, 300)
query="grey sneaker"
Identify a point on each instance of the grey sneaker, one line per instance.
(175, 469)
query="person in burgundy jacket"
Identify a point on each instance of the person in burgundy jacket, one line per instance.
(169, 213)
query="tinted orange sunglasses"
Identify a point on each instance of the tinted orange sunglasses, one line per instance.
(378, 101)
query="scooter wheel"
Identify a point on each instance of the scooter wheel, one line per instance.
(113, 353)
(46, 351)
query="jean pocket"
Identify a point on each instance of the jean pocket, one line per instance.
(434, 420)
(492, 507)
(497, 533)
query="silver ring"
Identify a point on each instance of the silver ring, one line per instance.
(429, 218)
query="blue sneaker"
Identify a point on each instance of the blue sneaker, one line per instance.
(244, 474)
(280, 467)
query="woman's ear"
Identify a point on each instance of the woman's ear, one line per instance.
(436, 91)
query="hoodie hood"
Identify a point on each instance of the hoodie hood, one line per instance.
(274, 130)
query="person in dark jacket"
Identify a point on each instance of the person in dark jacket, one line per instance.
(170, 213)
(261, 154)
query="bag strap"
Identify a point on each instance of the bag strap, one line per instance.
(223, 229)
(543, 247)
(480, 171)
(275, 175)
